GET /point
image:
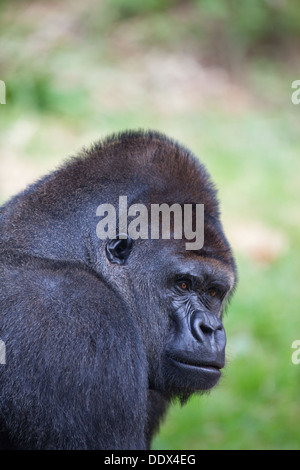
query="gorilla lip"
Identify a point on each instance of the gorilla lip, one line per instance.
(198, 365)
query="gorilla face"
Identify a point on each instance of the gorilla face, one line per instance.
(183, 295)
(195, 349)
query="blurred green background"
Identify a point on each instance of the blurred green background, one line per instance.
(215, 75)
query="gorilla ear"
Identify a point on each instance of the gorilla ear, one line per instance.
(119, 249)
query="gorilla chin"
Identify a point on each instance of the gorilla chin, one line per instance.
(192, 376)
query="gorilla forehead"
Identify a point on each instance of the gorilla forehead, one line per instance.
(148, 166)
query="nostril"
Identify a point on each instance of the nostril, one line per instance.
(201, 329)
(206, 329)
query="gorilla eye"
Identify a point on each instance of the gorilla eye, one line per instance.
(183, 284)
(215, 293)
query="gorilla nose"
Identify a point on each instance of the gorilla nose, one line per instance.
(208, 329)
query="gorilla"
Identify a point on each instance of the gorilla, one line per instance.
(101, 334)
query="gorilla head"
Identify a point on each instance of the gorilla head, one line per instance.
(150, 308)
(176, 295)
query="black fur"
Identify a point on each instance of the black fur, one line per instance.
(86, 338)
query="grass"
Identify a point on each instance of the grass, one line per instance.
(248, 137)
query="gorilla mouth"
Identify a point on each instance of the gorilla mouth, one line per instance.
(193, 374)
(211, 366)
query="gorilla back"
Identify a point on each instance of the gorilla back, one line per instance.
(101, 333)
